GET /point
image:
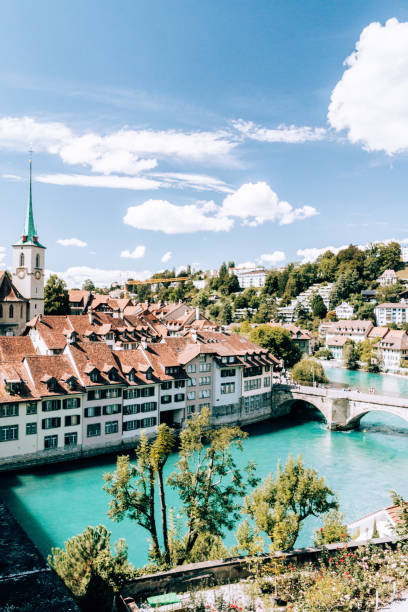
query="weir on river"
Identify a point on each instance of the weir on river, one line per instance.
(55, 502)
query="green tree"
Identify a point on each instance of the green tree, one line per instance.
(327, 265)
(318, 306)
(230, 285)
(334, 529)
(56, 297)
(133, 488)
(202, 299)
(369, 355)
(278, 341)
(89, 569)
(88, 285)
(402, 525)
(351, 355)
(280, 504)
(390, 256)
(309, 370)
(263, 314)
(226, 314)
(390, 293)
(208, 481)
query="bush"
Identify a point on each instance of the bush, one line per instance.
(324, 354)
(309, 370)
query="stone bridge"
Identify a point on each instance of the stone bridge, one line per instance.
(341, 409)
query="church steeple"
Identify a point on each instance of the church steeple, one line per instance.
(30, 233)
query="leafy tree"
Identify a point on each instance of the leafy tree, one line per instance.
(89, 569)
(347, 283)
(245, 327)
(241, 301)
(390, 256)
(226, 314)
(278, 341)
(309, 370)
(402, 525)
(271, 286)
(331, 315)
(280, 504)
(351, 355)
(202, 299)
(327, 265)
(208, 481)
(334, 529)
(263, 314)
(369, 355)
(56, 297)
(88, 285)
(318, 306)
(389, 293)
(231, 264)
(133, 488)
(230, 285)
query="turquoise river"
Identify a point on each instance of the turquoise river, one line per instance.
(56, 502)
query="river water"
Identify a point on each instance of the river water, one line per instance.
(54, 503)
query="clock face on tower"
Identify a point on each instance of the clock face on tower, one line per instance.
(37, 274)
(21, 273)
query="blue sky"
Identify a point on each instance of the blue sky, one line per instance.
(197, 132)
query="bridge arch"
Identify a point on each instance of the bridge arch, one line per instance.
(299, 404)
(401, 413)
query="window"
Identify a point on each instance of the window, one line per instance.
(9, 410)
(250, 385)
(205, 367)
(112, 409)
(37, 261)
(203, 357)
(148, 406)
(51, 405)
(166, 385)
(93, 430)
(267, 381)
(94, 375)
(111, 427)
(231, 359)
(171, 370)
(8, 432)
(227, 388)
(205, 380)
(1, 310)
(148, 422)
(50, 442)
(71, 402)
(113, 393)
(21, 260)
(72, 419)
(166, 399)
(131, 409)
(149, 374)
(179, 384)
(191, 395)
(93, 411)
(71, 439)
(191, 382)
(190, 409)
(267, 368)
(11, 311)
(131, 375)
(226, 373)
(131, 425)
(31, 428)
(147, 392)
(253, 371)
(51, 423)
(204, 393)
(202, 406)
(179, 397)
(31, 408)
(191, 368)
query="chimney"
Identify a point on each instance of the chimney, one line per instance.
(144, 344)
(197, 314)
(90, 317)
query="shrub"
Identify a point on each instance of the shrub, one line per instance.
(309, 370)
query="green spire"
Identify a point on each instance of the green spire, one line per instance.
(29, 228)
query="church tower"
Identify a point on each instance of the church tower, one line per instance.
(28, 262)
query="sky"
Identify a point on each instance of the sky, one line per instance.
(189, 132)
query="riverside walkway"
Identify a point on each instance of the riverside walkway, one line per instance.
(342, 409)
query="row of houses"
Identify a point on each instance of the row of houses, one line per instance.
(287, 313)
(71, 384)
(391, 345)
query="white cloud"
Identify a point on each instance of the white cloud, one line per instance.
(112, 182)
(272, 259)
(199, 182)
(161, 215)
(166, 257)
(137, 253)
(12, 177)
(76, 275)
(116, 152)
(256, 203)
(72, 242)
(283, 133)
(370, 100)
(310, 255)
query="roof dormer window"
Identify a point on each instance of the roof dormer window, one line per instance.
(94, 375)
(132, 375)
(149, 374)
